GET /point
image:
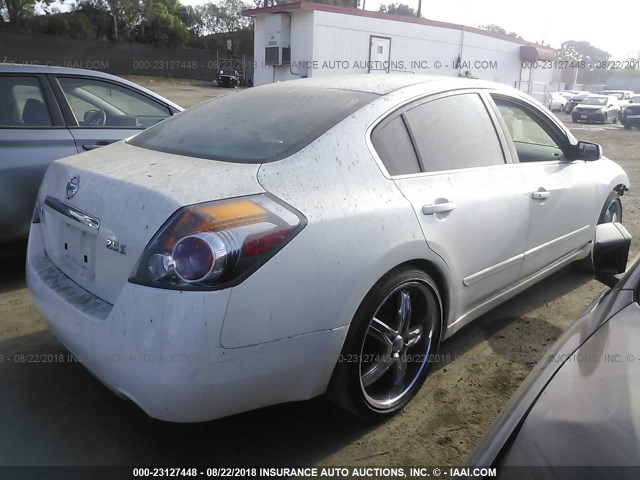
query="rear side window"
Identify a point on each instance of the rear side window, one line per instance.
(22, 103)
(455, 132)
(393, 144)
(254, 126)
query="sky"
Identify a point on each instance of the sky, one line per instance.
(611, 27)
(548, 21)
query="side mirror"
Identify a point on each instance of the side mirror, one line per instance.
(610, 252)
(589, 151)
(610, 105)
(631, 101)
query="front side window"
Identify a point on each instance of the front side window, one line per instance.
(22, 103)
(102, 104)
(393, 144)
(455, 132)
(530, 138)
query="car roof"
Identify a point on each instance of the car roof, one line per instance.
(55, 70)
(385, 83)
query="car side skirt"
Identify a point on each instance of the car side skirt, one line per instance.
(513, 290)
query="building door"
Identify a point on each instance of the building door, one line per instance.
(379, 54)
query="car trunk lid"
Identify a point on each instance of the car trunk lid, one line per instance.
(100, 209)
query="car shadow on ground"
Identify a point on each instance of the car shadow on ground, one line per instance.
(513, 317)
(12, 273)
(56, 413)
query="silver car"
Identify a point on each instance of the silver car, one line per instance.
(48, 113)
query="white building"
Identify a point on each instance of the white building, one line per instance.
(303, 39)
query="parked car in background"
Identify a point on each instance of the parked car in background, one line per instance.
(569, 94)
(578, 407)
(635, 99)
(631, 113)
(48, 113)
(556, 102)
(575, 100)
(597, 108)
(228, 78)
(221, 243)
(623, 96)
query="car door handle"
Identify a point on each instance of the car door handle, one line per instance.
(540, 195)
(96, 145)
(438, 208)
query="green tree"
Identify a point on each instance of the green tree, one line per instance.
(224, 17)
(498, 29)
(99, 17)
(192, 19)
(582, 51)
(398, 9)
(125, 15)
(161, 24)
(18, 10)
(71, 25)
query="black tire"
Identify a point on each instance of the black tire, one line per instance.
(385, 395)
(586, 264)
(604, 120)
(627, 127)
(561, 108)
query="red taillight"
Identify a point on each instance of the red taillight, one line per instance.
(217, 244)
(261, 243)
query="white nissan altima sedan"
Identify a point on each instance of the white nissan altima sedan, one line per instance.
(308, 237)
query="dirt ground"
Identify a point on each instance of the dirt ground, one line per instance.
(57, 414)
(185, 93)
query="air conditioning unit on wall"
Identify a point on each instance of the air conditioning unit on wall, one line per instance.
(277, 49)
(277, 55)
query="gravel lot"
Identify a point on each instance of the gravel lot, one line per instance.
(185, 93)
(57, 414)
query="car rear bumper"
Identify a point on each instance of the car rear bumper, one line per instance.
(161, 348)
(633, 121)
(587, 117)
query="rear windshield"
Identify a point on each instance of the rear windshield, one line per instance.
(257, 125)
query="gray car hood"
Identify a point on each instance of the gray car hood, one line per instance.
(589, 414)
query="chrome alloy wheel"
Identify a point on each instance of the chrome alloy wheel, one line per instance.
(613, 213)
(397, 345)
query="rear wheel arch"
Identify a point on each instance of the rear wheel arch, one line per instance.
(341, 388)
(439, 278)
